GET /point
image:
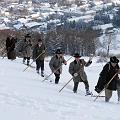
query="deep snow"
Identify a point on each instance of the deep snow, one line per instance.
(24, 97)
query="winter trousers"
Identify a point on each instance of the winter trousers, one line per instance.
(108, 94)
(76, 86)
(57, 77)
(118, 91)
(40, 64)
(28, 60)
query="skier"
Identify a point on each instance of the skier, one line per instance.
(56, 64)
(76, 69)
(109, 70)
(10, 46)
(26, 49)
(39, 55)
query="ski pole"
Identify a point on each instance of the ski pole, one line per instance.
(65, 85)
(105, 86)
(55, 71)
(33, 61)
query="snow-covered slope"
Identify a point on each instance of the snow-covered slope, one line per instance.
(24, 97)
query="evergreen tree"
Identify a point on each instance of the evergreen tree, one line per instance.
(116, 19)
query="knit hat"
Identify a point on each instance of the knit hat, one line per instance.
(114, 59)
(77, 55)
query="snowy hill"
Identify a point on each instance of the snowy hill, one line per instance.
(23, 95)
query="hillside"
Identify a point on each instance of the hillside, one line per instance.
(24, 97)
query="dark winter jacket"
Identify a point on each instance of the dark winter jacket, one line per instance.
(56, 64)
(10, 44)
(39, 51)
(26, 48)
(78, 67)
(105, 76)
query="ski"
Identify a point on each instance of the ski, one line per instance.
(92, 95)
(97, 95)
(29, 65)
(48, 79)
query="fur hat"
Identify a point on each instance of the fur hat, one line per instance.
(77, 55)
(58, 51)
(114, 59)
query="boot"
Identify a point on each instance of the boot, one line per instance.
(118, 99)
(75, 87)
(28, 62)
(56, 80)
(88, 92)
(42, 73)
(75, 91)
(107, 99)
(23, 61)
(97, 90)
(37, 71)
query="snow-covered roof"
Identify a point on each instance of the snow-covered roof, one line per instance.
(86, 17)
(45, 4)
(3, 26)
(116, 1)
(90, 12)
(32, 24)
(18, 26)
(54, 21)
(46, 9)
(105, 26)
(98, 2)
(45, 14)
(35, 15)
(24, 20)
(6, 20)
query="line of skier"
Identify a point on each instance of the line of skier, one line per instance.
(76, 67)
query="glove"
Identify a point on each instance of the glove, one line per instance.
(65, 63)
(97, 90)
(75, 74)
(90, 61)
